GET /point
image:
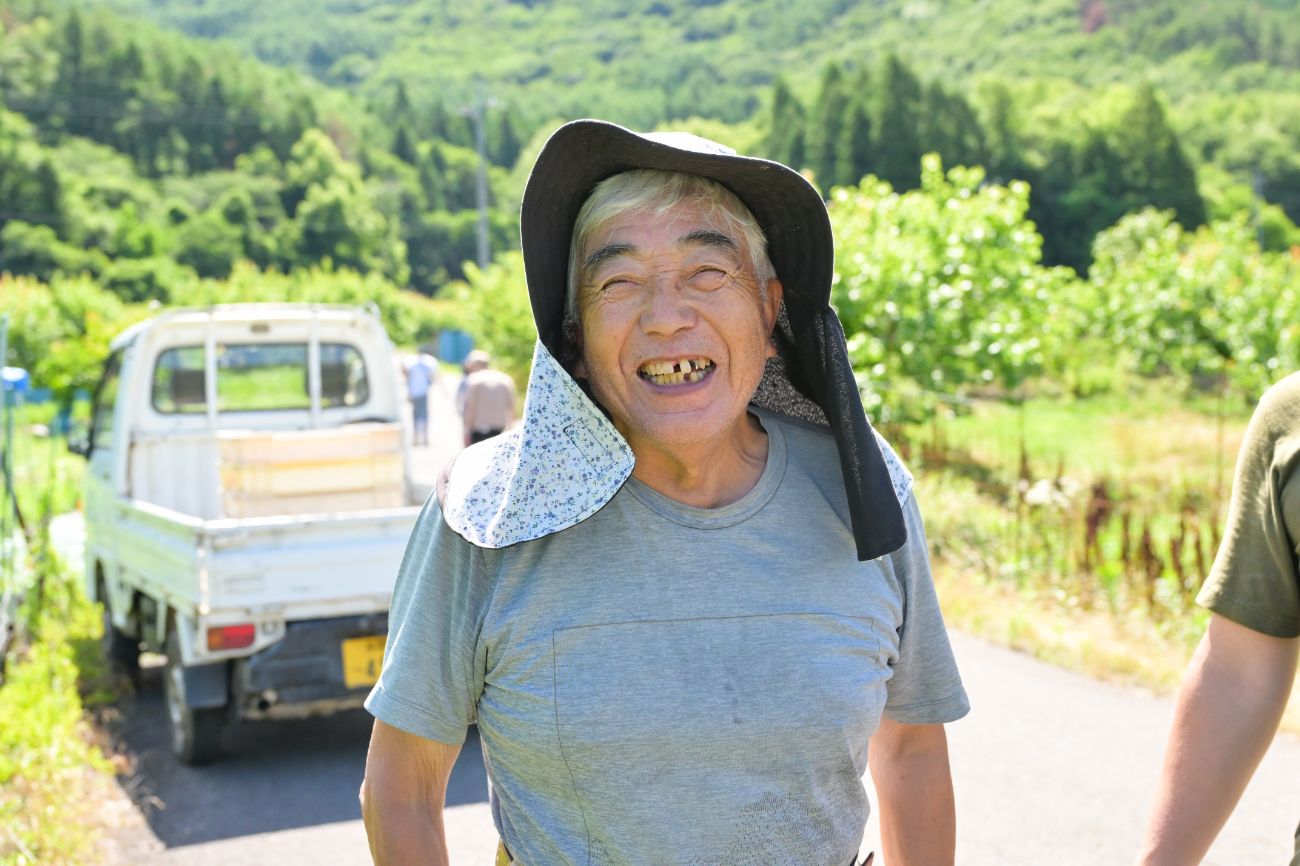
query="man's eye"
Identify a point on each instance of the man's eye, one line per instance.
(708, 277)
(617, 285)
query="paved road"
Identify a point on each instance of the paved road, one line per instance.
(1050, 768)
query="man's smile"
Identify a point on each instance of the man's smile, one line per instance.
(682, 371)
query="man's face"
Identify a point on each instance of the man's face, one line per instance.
(675, 331)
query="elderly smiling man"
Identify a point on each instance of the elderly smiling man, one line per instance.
(687, 602)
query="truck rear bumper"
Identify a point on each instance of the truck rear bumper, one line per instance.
(303, 674)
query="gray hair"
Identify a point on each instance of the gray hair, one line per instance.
(658, 192)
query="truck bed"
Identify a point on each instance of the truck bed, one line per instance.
(307, 566)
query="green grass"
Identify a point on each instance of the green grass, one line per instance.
(1011, 564)
(47, 477)
(51, 774)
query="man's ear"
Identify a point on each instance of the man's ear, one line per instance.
(772, 309)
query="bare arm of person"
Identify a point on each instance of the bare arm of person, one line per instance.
(909, 765)
(402, 797)
(1229, 706)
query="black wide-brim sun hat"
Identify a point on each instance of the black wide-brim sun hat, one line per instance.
(810, 341)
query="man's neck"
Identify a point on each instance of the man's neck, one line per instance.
(707, 474)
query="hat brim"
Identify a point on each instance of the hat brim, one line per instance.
(581, 154)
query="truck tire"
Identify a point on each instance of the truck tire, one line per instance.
(196, 733)
(120, 650)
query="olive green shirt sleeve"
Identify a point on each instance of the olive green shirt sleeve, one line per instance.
(1255, 579)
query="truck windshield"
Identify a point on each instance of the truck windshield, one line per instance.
(258, 377)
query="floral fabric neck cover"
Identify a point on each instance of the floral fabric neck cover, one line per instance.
(553, 471)
(566, 460)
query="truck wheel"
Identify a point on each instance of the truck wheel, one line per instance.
(196, 733)
(121, 651)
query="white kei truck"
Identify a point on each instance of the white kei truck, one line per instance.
(248, 501)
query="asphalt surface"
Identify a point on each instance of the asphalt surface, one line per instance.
(1049, 768)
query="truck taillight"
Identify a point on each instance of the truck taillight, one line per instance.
(228, 637)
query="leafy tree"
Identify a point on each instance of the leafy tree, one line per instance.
(336, 224)
(949, 126)
(1207, 305)
(209, 244)
(37, 250)
(492, 304)
(503, 138)
(941, 289)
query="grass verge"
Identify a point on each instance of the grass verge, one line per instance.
(1105, 586)
(51, 772)
(54, 779)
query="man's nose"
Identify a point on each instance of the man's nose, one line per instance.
(666, 309)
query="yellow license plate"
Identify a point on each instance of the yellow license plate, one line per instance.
(362, 659)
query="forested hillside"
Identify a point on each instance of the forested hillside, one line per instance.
(1059, 92)
(143, 160)
(647, 60)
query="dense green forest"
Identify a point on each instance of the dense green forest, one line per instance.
(648, 60)
(163, 168)
(1230, 68)
(144, 160)
(1102, 105)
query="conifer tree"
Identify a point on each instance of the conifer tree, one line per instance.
(403, 146)
(948, 125)
(1155, 165)
(503, 139)
(856, 150)
(826, 126)
(898, 155)
(785, 135)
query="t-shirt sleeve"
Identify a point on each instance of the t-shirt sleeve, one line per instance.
(926, 686)
(432, 674)
(1254, 577)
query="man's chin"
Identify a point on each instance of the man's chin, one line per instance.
(682, 431)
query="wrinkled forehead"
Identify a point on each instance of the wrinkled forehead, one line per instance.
(653, 229)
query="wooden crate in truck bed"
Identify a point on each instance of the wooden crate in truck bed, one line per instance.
(354, 468)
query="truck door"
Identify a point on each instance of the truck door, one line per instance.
(102, 459)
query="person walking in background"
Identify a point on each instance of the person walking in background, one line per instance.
(420, 374)
(1237, 685)
(489, 406)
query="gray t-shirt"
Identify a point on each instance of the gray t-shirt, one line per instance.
(669, 684)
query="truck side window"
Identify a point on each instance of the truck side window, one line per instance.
(101, 423)
(178, 382)
(343, 379)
